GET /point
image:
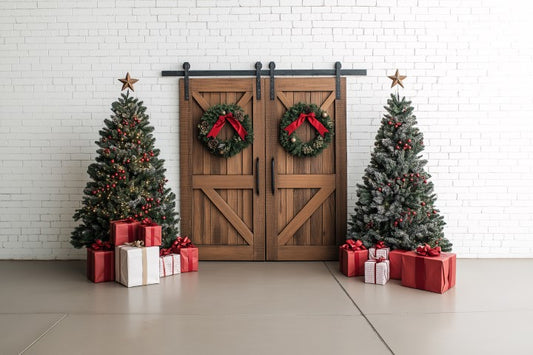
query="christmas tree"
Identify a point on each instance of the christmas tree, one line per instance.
(127, 178)
(396, 203)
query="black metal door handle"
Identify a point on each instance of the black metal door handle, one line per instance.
(257, 176)
(272, 174)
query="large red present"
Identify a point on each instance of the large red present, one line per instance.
(395, 258)
(100, 262)
(431, 273)
(150, 233)
(124, 231)
(352, 257)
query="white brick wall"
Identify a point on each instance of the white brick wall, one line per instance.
(469, 67)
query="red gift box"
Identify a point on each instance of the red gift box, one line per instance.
(150, 233)
(430, 273)
(100, 265)
(395, 258)
(124, 231)
(189, 258)
(352, 257)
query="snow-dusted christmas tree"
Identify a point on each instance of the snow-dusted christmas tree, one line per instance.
(396, 202)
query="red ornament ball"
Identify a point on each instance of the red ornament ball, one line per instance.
(423, 203)
(164, 217)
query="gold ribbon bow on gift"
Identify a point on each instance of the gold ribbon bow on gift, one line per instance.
(136, 244)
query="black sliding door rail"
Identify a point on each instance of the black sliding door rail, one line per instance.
(272, 72)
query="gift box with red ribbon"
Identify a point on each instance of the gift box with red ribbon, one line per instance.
(124, 231)
(378, 250)
(136, 265)
(169, 265)
(187, 251)
(352, 257)
(395, 258)
(377, 271)
(100, 262)
(429, 269)
(149, 233)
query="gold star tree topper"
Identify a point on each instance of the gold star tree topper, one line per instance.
(396, 79)
(127, 82)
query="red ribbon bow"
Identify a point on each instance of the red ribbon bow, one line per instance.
(353, 245)
(165, 251)
(148, 222)
(129, 220)
(426, 250)
(177, 245)
(99, 245)
(222, 121)
(312, 120)
(380, 245)
(380, 259)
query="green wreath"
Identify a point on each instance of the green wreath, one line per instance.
(293, 118)
(214, 119)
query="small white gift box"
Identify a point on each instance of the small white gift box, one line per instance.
(136, 266)
(377, 271)
(375, 253)
(169, 265)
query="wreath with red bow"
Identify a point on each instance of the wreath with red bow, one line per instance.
(294, 118)
(212, 122)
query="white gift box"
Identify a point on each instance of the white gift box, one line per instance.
(136, 266)
(377, 272)
(374, 253)
(169, 265)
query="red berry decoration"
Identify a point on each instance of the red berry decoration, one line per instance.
(164, 217)
(423, 203)
(112, 161)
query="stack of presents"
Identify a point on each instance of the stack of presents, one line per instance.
(134, 256)
(426, 268)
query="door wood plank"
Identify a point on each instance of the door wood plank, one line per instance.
(201, 101)
(284, 100)
(304, 214)
(327, 103)
(244, 99)
(229, 214)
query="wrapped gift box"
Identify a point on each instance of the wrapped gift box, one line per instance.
(377, 272)
(352, 262)
(189, 258)
(375, 253)
(430, 273)
(395, 258)
(136, 266)
(169, 265)
(124, 231)
(100, 265)
(150, 233)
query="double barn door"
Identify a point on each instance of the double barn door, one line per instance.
(263, 203)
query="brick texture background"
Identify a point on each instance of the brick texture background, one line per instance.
(469, 68)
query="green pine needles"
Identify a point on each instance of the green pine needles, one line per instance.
(127, 178)
(396, 203)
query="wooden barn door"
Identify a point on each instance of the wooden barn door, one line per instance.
(307, 196)
(220, 207)
(263, 203)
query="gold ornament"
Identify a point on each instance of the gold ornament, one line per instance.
(223, 112)
(324, 114)
(127, 82)
(293, 139)
(397, 79)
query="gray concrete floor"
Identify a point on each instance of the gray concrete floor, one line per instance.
(49, 307)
